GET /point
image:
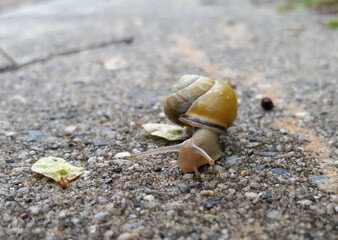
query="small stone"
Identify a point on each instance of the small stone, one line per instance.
(70, 129)
(117, 170)
(37, 149)
(245, 173)
(34, 135)
(2, 180)
(283, 131)
(207, 193)
(101, 216)
(254, 185)
(233, 160)
(251, 195)
(170, 213)
(10, 160)
(274, 214)
(281, 172)
(261, 167)
(9, 198)
(106, 181)
(211, 203)
(101, 143)
(54, 146)
(149, 198)
(188, 176)
(319, 209)
(106, 132)
(23, 190)
(157, 168)
(305, 202)
(122, 155)
(34, 210)
(63, 214)
(127, 236)
(102, 200)
(268, 154)
(319, 179)
(267, 198)
(24, 216)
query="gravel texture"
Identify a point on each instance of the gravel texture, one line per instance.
(277, 177)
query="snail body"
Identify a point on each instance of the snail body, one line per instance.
(208, 107)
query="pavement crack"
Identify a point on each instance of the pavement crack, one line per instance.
(8, 57)
(15, 65)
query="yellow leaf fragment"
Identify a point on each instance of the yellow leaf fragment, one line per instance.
(167, 131)
(58, 169)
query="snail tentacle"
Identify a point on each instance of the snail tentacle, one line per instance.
(200, 151)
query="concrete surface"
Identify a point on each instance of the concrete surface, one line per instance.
(78, 79)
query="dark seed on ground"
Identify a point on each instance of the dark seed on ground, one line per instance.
(267, 103)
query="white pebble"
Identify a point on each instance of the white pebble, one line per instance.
(34, 210)
(305, 202)
(207, 193)
(70, 128)
(127, 236)
(149, 198)
(251, 195)
(188, 176)
(122, 155)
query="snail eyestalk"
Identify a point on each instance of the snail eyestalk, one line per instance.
(199, 150)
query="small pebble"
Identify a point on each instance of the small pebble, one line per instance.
(10, 160)
(101, 143)
(70, 129)
(127, 236)
(34, 135)
(274, 214)
(319, 179)
(233, 160)
(100, 216)
(157, 168)
(261, 167)
(34, 210)
(305, 202)
(149, 198)
(188, 176)
(117, 170)
(211, 203)
(122, 155)
(268, 154)
(281, 172)
(251, 195)
(207, 193)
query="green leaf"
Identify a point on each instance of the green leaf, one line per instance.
(167, 131)
(58, 169)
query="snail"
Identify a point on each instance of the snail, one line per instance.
(208, 107)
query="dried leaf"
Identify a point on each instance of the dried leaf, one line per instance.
(58, 169)
(167, 131)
